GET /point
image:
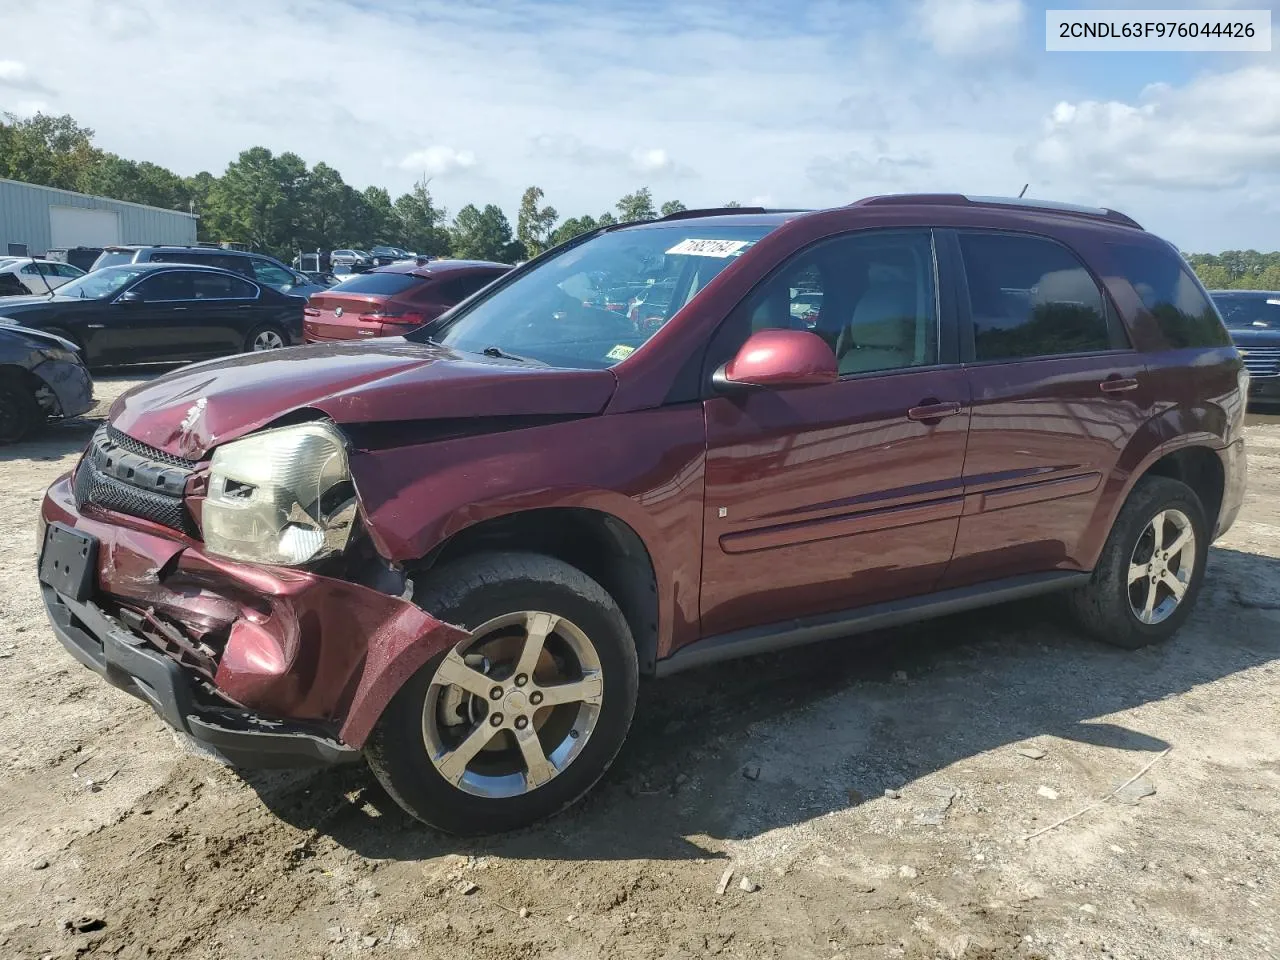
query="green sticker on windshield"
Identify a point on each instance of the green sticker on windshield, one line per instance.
(620, 352)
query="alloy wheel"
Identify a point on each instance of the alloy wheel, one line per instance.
(1161, 566)
(513, 705)
(267, 340)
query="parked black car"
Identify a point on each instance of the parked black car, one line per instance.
(1253, 320)
(159, 311)
(41, 377)
(258, 267)
(384, 255)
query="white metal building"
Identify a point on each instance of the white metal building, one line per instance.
(43, 219)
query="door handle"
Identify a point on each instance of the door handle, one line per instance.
(933, 410)
(1118, 384)
(95, 326)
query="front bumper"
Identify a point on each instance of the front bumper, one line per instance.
(70, 384)
(1264, 388)
(107, 647)
(302, 664)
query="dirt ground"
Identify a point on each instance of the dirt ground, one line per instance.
(870, 792)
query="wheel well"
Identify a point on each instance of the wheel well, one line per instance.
(1201, 470)
(599, 544)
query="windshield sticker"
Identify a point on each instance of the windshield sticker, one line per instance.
(710, 248)
(620, 352)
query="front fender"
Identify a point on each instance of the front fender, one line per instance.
(645, 468)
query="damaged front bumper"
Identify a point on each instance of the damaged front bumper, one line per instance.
(268, 666)
(70, 388)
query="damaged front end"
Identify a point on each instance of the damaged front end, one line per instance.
(164, 576)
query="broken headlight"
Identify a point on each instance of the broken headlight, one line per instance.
(281, 496)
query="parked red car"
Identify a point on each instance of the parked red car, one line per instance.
(392, 300)
(456, 553)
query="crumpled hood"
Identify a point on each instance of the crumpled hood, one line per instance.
(195, 408)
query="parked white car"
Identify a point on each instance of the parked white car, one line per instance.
(39, 276)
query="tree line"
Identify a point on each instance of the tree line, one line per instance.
(276, 204)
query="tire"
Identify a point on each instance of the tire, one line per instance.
(1111, 607)
(478, 592)
(20, 412)
(266, 336)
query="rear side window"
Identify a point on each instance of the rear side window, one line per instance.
(1031, 297)
(1166, 288)
(218, 286)
(386, 284)
(459, 288)
(113, 258)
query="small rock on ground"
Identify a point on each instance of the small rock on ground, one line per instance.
(748, 886)
(1031, 753)
(1136, 791)
(1048, 793)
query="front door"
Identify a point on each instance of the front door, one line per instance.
(1057, 395)
(151, 327)
(821, 499)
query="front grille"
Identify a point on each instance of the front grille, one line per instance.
(135, 479)
(1262, 361)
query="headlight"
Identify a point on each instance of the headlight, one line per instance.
(282, 496)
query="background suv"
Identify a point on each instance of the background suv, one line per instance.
(456, 552)
(1253, 320)
(258, 267)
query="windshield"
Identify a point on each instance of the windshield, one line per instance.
(595, 304)
(103, 283)
(1250, 313)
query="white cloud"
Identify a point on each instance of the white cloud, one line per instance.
(815, 104)
(653, 160)
(1218, 131)
(12, 71)
(971, 28)
(439, 161)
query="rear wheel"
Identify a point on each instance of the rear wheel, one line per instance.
(520, 719)
(266, 337)
(20, 412)
(1151, 568)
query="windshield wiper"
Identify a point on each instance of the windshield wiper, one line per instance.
(503, 355)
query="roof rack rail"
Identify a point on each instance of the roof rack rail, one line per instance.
(711, 212)
(960, 199)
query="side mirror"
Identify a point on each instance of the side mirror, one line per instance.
(131, 296)
(779, 358)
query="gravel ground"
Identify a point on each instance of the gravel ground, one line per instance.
(871, 797)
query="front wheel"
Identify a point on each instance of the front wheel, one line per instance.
(1151, 567)
(520, 719)
(265, 337)
(20, 412)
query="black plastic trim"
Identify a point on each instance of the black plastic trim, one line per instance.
(126, 661)
(794, 633)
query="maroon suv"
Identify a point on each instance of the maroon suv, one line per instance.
(395, 299)
(455, 553)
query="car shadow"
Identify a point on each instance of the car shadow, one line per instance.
(737, 750)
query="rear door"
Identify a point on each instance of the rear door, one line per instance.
(1057, 394)
(223, 312)
(826, 498)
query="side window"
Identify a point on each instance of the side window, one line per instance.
(167, 286)
(68, 271)
(871, 296)
(1166, 288)
(270, 275)
(1030, 297)
(219, 286)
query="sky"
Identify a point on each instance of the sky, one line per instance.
(790, 103)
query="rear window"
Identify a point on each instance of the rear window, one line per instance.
(1249, 313)
(379, 283)
(1164, 284)
(113, 258)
